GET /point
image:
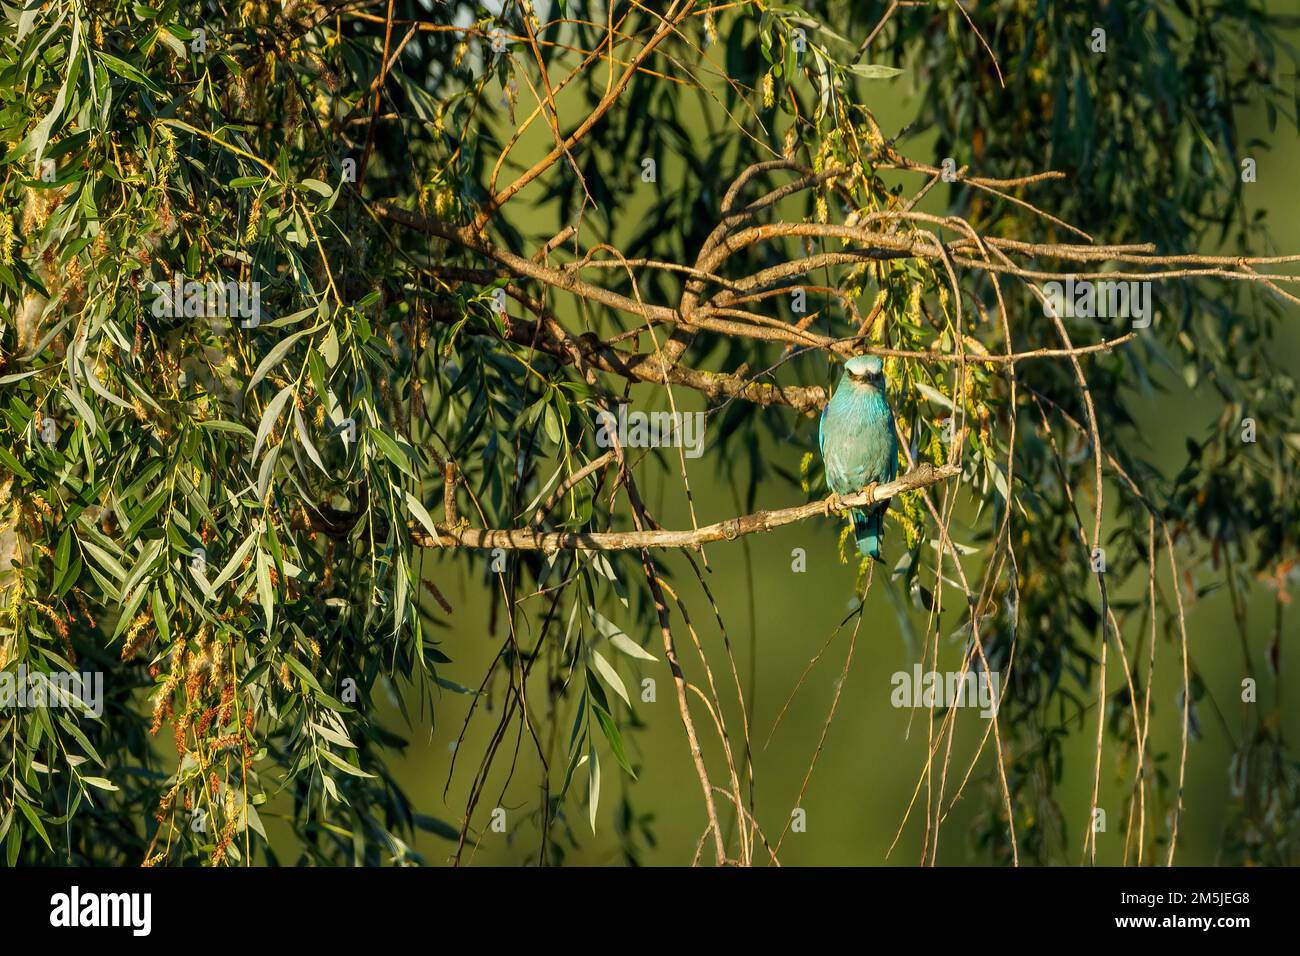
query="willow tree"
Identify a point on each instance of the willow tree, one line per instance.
(310, 306)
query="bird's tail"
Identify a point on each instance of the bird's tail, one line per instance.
(869, 530)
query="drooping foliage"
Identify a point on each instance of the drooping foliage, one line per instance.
(297, 297)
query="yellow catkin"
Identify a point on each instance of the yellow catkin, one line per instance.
(135, 636)
(878, 327)
(254, 217)
(167, 164)
(6, 240)
(31, 211)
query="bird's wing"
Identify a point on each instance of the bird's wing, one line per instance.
(821, 429)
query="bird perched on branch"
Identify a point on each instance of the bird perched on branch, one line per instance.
(859, 447)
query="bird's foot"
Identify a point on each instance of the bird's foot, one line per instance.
(834, 504)
(871, 490)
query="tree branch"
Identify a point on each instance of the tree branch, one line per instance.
(526, 539)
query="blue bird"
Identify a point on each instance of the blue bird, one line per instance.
(859, 446)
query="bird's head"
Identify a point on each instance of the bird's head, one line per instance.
(866, 370)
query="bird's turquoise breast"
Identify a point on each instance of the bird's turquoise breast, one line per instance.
(858, 441)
